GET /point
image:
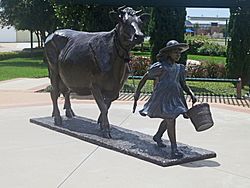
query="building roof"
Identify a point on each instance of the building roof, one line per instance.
(188, 23)
(206, 20)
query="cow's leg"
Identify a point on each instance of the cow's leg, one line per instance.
(67, 105)
(104, 111)
(108, 104)
(55, 93)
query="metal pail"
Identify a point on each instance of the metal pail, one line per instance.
(201, 116)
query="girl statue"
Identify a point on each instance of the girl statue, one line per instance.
(167, 100)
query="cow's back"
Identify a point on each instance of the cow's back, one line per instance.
(74, 59)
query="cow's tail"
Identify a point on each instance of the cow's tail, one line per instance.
(45, 61)
(51, 55)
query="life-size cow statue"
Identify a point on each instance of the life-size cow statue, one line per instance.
(93, 62)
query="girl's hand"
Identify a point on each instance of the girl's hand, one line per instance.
(136, 96)
(194, 99)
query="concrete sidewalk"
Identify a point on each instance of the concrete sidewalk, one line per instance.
(15, 46)
(22, 92)
(33, 156)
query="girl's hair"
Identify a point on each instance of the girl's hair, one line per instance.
(162, 56)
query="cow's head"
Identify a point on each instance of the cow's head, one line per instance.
(129, 25)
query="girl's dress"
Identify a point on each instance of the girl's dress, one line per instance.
(167, 100)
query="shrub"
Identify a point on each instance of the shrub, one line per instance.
(200, 45)
(195, 42)
(216, 70)
(212, 49)
(207, 70)
(22, 54)
(139, 65)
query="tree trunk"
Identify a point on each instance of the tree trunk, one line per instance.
(31, 42)
(43, 37)
(38, 39)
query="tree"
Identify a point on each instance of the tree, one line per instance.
(84, 17)
(196, 28)
(166, 24)
(238, 59)
(34, 15)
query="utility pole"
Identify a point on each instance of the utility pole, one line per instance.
(226, 32)
(31, 42)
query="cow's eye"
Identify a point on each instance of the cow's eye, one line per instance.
(139, 22)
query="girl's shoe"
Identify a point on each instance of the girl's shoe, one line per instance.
(176, 154)
(159, 141)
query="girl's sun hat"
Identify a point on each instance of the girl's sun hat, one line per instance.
(173, 44)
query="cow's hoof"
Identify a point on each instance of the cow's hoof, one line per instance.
(72, 112)
(58, 121)
(106, 134)
(69, 114)
(101, 128)
(99, 121)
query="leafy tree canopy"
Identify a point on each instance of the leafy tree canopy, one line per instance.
(27, 14)
(166, 24)
(33, 15)
(238, 60)
(84, 17)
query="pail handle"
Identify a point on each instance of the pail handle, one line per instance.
(196, 102)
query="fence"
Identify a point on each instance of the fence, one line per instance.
(132, 83)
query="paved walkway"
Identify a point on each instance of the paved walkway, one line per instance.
(13, 46)
(32, 156)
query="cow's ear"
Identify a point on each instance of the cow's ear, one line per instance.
(114, 16)
(145, 18)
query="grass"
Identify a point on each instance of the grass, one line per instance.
(215, 88)
(199, 88)
(211, 59)
(22, 68)
(139, 53)
(131, 85)
(214, 59)
(33, 67)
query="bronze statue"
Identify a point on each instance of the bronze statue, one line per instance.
(93, 62)
(167, 100)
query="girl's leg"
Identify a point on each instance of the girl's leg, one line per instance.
(171, 124)
(157, 137)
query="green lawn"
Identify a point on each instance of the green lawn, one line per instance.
(214, 59)
(139, 53)
(199, 88)
(22, 68)
(35, 68)
(211, 59)
(215, 88)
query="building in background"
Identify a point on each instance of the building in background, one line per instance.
(10, 34)
(214, 27)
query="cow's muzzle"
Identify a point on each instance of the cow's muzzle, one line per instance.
(138, 38)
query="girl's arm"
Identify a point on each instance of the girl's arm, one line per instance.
(140, 86)
(184, 85)
(138, 90)
(188, 91)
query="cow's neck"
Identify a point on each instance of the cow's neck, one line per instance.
(121, 50)
(120, 73)
(120, 63)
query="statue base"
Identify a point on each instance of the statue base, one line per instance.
(126, 141)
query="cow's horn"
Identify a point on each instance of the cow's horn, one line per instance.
(137, 12)
(120, 9)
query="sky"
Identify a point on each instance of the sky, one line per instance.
(208, 12)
